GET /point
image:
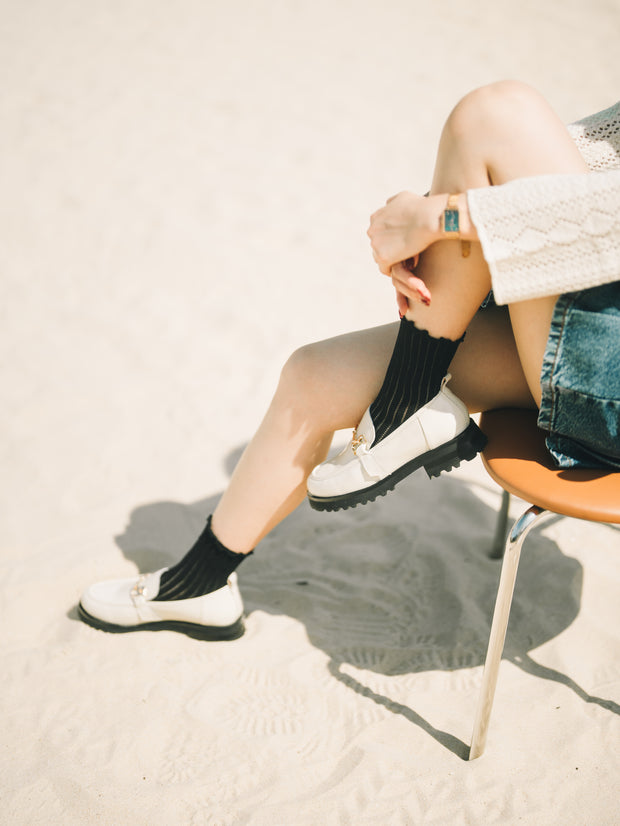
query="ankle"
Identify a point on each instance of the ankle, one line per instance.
(204, 568)
(416, 370)
(230, 537)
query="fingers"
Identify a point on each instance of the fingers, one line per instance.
(409, 285)
(402, 303)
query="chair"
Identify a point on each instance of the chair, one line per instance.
(516, 458)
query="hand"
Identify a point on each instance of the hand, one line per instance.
(408, 286)
(404, 227)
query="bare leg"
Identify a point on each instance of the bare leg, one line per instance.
(486, 370)
(495, 134)
(323, 387)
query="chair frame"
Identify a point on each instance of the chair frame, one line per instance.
(532, 517)
(517, 459)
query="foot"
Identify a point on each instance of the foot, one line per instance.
(437, 437)
(128, 605)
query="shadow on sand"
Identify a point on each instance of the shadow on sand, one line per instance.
(403, 585)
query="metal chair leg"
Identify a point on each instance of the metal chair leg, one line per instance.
(501, 528)
(514, 543)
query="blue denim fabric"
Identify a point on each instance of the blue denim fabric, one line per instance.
(580, 380)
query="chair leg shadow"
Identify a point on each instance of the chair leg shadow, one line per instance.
(530, 666)
(448, 741)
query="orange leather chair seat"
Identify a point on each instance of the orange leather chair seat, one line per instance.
(516, 458)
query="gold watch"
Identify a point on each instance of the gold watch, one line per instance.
(450, 223)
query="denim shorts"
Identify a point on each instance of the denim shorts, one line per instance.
(580, 379)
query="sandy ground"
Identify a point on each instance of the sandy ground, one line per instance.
(184, 195)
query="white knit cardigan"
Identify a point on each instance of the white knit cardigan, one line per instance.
(554, 234)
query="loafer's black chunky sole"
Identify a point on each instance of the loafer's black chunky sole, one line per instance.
(462, 448)
(191, 629)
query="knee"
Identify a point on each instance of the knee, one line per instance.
(303, 376)
(493, 105)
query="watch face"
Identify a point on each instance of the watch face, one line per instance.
(451, 220)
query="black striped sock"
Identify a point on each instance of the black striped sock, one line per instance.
(418, 365)
(204, 568)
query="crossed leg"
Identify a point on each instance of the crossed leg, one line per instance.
(326, 387)
(494, 134)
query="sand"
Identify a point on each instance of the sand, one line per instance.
(185, 192)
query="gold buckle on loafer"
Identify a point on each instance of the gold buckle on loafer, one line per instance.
(139, 589)
(356, 441)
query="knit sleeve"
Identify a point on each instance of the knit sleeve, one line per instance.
(553, 234)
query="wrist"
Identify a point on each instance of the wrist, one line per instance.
(436, 207)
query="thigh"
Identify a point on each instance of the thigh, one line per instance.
(486, 370)
(531, 322)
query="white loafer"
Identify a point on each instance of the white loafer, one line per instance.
(437, 437)
(121, 605)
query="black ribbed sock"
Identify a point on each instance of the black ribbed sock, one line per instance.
(418, 365)
(204, 568)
